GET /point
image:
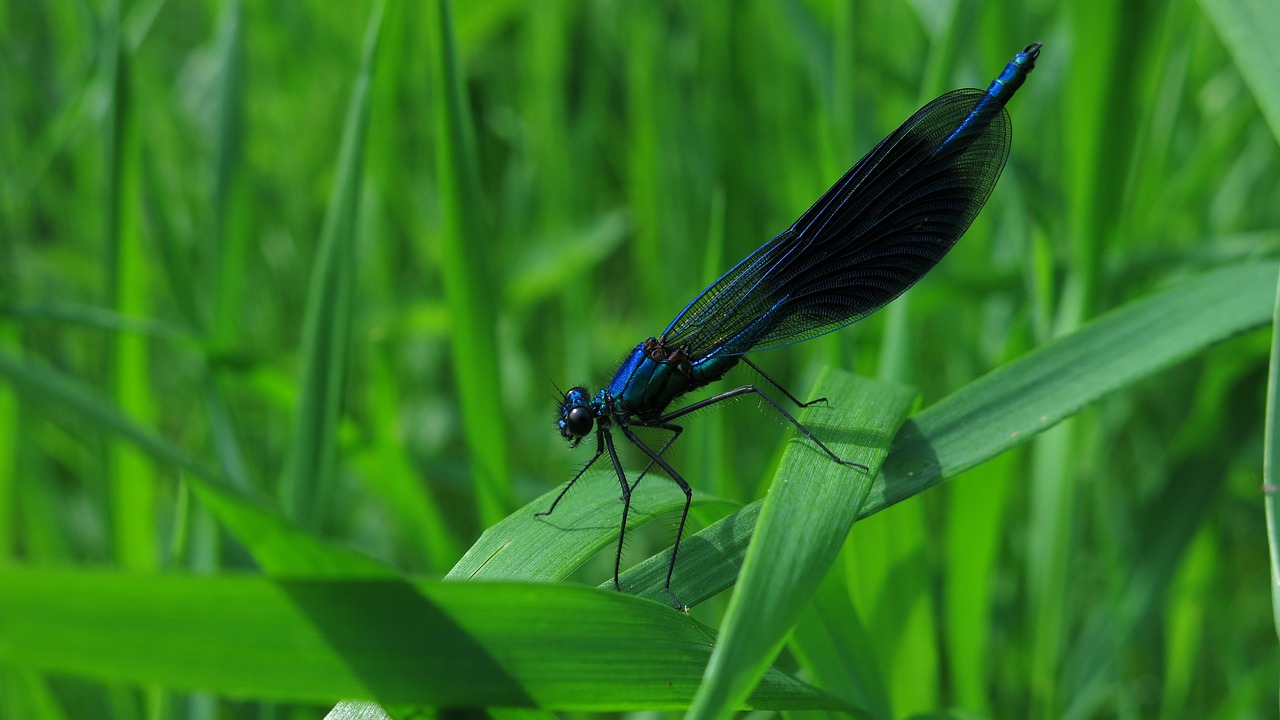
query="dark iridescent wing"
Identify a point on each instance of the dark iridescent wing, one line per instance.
(877, 231)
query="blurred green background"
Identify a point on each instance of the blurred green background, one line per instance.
(182, 239)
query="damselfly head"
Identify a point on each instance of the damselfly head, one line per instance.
(576, 418)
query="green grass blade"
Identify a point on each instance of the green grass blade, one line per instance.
(358, 710)
(1008, 406)
(432, 643)
(526, 547)
(1270, 456)
(468, 281)
(1248, 29)
(10, 432)
(1184, 627)
(279, 546)
(545, 268)
(132, 481)
(806, 516)
(227, 249)
(326, 325)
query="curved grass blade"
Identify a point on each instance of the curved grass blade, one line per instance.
(278, 545)
(431, 643)
(525, 547)
(1021, 399)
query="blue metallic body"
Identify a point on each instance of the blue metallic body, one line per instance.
(645, 385)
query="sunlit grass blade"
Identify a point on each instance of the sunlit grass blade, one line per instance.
(811, 505)
(524, 546)
(326, 325)
(357, 710)
(431, 643)
(644, 183)
(709, 560)
(1029, 395)
(1271, 456)
(69, 398)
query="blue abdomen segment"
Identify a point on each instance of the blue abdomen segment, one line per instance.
(645, 384)
(998, 94)
(1014, 74)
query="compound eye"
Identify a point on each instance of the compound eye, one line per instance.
(579, 421)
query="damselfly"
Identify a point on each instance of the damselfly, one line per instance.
(877, 231)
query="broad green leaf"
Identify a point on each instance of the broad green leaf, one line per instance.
(524, 546)
(1020, 399)
(133, 499)
(67, 397)
(281, 547)
(449, 644)
(1270, 456)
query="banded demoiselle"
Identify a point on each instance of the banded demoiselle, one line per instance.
(877, 231)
